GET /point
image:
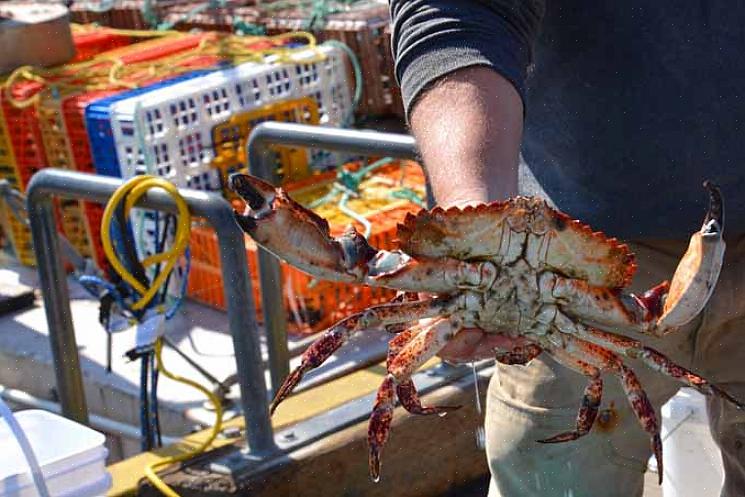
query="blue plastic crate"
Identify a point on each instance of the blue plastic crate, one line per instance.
(98, 123)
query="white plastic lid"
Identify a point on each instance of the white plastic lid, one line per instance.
(59, 444)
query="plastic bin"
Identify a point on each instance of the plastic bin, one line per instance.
(71, 456)
(693, 463)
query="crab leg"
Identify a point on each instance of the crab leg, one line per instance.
(655, 360)
(606, 360)
(406, 390)
(423, 346)
(591, 398)
(375, 317)
(302, 238)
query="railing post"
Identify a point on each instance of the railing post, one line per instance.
(241, 311)
(57, 306)
(261, 163)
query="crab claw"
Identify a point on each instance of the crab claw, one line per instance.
(698, 270)
(296, 234)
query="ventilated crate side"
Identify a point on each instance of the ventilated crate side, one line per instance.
(229, 139)
(175, 124)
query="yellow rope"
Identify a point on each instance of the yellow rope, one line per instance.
(130, 192)
(151, 469)
(108, 71)
(133, 190)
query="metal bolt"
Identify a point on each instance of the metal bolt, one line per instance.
(231, 432)
(289, 436)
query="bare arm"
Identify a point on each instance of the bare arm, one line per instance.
(468, 127)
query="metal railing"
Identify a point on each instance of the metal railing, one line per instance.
(50, 183)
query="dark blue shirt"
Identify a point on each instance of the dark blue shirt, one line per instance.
(629, 105)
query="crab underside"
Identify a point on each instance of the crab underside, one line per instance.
(519, 268)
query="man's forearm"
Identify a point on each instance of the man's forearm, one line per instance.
(468, 126)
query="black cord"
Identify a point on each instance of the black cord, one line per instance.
(146, 440)
(130, 251)
(154, 415)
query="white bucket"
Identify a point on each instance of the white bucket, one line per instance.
(693, 463)
(71, 456)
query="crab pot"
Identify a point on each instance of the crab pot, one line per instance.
(123, 14)
(313, 305)
(364, 27)
(189, 16)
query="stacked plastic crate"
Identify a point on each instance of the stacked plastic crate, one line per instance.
(363, 25)
(168, 130)
(21, 145)
(61, 121)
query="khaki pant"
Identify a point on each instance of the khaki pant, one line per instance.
(533, 402)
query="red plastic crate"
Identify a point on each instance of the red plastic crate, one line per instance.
(90, 41)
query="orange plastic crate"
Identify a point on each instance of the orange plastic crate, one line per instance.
(311, 304)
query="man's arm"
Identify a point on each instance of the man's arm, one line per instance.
(462, 67)
(468, 127)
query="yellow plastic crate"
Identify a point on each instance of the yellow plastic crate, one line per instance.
(18, 233)
(230, 138)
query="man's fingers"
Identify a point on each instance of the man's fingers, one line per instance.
(461, 346)
(472, 344)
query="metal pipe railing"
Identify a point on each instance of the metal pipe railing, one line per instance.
(49, 183)
(261, 163)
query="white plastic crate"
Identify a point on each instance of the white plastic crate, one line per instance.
(167, 132)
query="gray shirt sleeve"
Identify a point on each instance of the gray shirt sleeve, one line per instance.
(432, 38)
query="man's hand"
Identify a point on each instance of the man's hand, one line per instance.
(473, 344)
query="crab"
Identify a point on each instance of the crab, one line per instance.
(519, 268)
